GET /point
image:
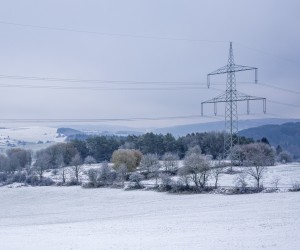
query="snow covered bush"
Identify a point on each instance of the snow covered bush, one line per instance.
(197, 168)
(166, 182)
(295, 186)
(136, 179)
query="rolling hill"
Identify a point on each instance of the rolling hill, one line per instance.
(286, 135)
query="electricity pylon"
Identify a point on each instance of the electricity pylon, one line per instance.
(231, 97)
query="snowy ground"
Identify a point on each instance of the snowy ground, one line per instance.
(28, 137)
(76, 218)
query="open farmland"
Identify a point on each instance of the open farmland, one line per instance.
(76, 218)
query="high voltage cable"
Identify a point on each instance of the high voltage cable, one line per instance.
(95, 120)
(280, 88)
(285, 104)
(269, 86)
(111, 34)
(268, 53)
(103, 88)
(76, 80)
(61, 29)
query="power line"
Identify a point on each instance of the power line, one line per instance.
(52, 87)
(281, 89)
(62, 29)
(111, 34)
(74, 80)
(268, 53)
(285, 104)
(99, 120)
(120, 84)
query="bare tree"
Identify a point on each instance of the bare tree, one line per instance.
(42, 163)
(76, 163)
(217, 170)
(122, 173)
(198, 168)
(149, 164)
(136, 178)
(92, 175)
(184, 174)
(257, 157)
(106, 175)
(275, 181)
(285, 157)
(62, 166)
(241, 181)
(170, 162)
(166, 180)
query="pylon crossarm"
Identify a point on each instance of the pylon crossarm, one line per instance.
(222, 70)
(242, 68)
(233, 68)
(220, 98)
(244, 97)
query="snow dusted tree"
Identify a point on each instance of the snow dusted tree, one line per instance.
(136, 178)
(76, 164)
(197, 167)
(62, 166)
(275, 181)
(42, 163)
(122, 173)
(21, 157)
(106, 175)
(241, 180)
(149, 164)
(194, 150)
(170, 162)
(92, 175)
(257, 157)
(90, 160)
(4, 163)
(166, 181)
(217, 170)
(285, 157)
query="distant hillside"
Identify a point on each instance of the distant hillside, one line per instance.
(219, 126)
(286, 135)
(68, 131)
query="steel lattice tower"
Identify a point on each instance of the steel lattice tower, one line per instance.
(231, 97)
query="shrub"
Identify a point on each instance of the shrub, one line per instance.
(295, 187)
(166, 182)
(3, 177)
(46, 182)
(18, 177)
(92, 175)
(136, 178)
(32, 180)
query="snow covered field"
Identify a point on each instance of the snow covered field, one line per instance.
(76, 218)
(31, 134)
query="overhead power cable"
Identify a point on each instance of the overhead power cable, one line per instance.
(98, 120)
(75, 80)
(285, 104)
(280, 88)
(183, 39)
(111, 34)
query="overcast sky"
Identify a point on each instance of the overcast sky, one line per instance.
(164, 48)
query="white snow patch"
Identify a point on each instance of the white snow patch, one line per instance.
(76, 218)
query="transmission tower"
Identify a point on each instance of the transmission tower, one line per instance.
(231, 97)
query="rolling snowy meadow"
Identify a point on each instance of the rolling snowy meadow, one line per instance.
(76, 218)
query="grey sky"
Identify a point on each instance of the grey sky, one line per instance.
(265, 34)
